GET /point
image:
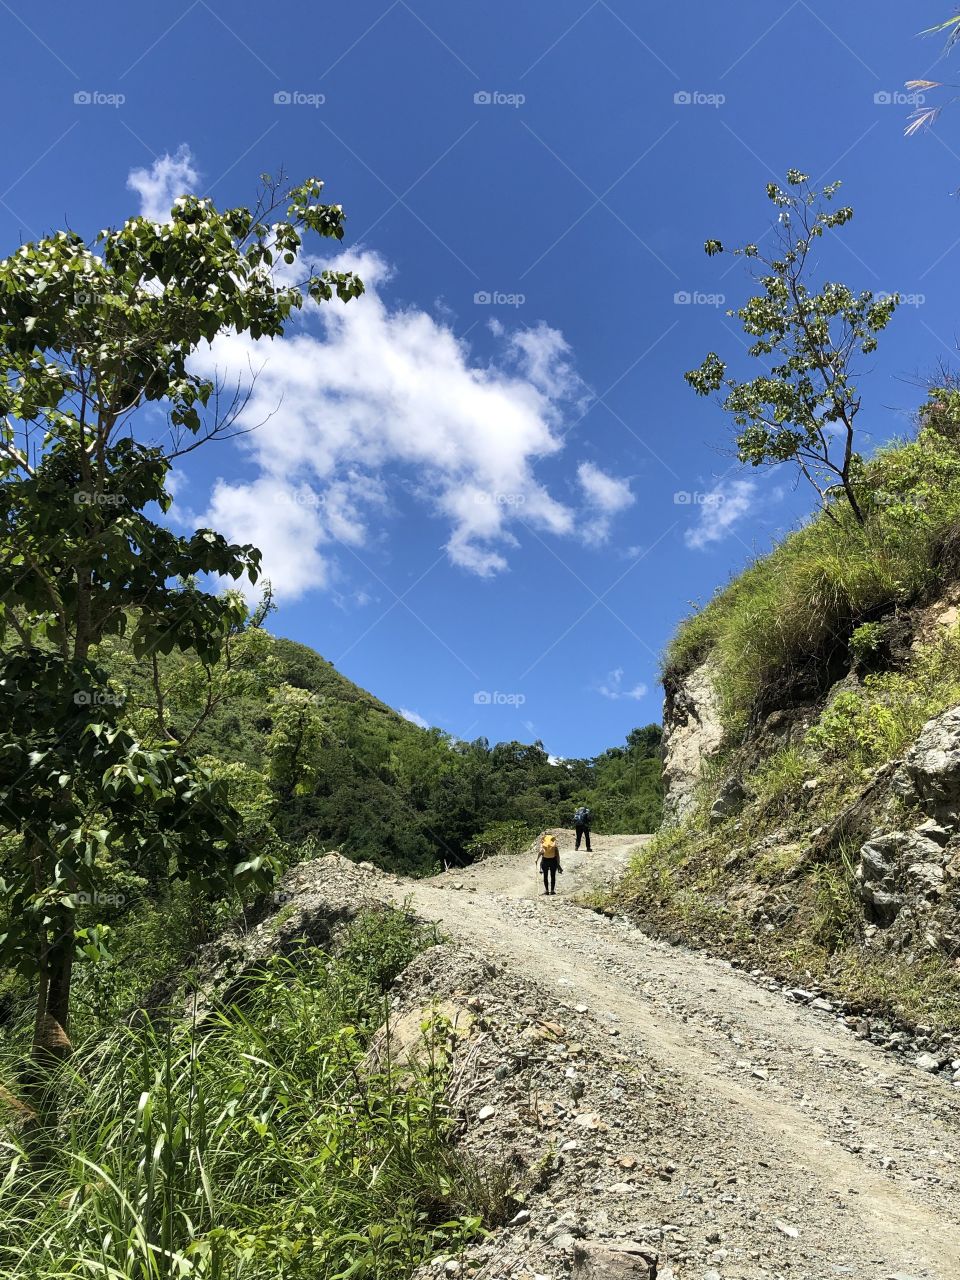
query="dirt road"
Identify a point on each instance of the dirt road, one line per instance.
(796, 1148)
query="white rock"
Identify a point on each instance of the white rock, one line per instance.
(786, 1228)
(486, 1112)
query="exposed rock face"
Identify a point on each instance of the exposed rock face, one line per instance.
(692, 734)
(899, 866)
(930, 773)
(909, 881)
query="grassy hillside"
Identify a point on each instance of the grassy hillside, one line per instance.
(787, 627)
(832, 632)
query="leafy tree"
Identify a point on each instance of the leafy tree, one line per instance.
(803, 407)
(94, 340)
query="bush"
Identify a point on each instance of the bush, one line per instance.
(257, 1145)
(501, 837)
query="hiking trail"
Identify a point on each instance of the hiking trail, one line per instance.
(787, 1146)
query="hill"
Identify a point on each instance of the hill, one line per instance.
(812, 750)
(354, 775)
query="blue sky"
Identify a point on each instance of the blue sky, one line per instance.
(471, 489)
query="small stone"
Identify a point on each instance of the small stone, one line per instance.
(926, 1062)
(823, 1005)
(760, 1073)
(519, 1218)
(786, 1228)
(486, 1112)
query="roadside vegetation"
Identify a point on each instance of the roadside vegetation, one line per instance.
(256, 1143)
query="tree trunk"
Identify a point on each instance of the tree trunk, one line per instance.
(51, 1044)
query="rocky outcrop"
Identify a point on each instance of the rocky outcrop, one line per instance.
(731, 798)
(692, 735)
(909, 880)
(930, 773)
(898, 867)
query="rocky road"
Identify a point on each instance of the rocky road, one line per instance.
(769, 1140)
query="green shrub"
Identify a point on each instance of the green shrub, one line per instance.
(256, 1146)
(866, 641)
(501, 837)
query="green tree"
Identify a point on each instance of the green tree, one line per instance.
(803, 407)
(94, 340)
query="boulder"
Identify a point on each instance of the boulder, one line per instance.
(930, 772)
(613, 1260)
(731, 798)
(403, 1042)
(898, 866)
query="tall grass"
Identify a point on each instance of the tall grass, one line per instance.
(256, 1145)
(790, 612)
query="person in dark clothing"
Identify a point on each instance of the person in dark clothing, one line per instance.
(549, 856)
(581, 825)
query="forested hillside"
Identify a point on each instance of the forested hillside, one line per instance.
(333, 767)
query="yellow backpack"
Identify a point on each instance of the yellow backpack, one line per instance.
(548, 847)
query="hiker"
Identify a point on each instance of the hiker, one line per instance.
(549, 857)
(581, 824)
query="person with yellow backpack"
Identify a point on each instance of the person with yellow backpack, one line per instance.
(549, 859)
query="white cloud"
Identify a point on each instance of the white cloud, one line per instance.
(606, 496)
(414, 718)
(357, 392)
(613, 688)
(168, 177)
(719, 511)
